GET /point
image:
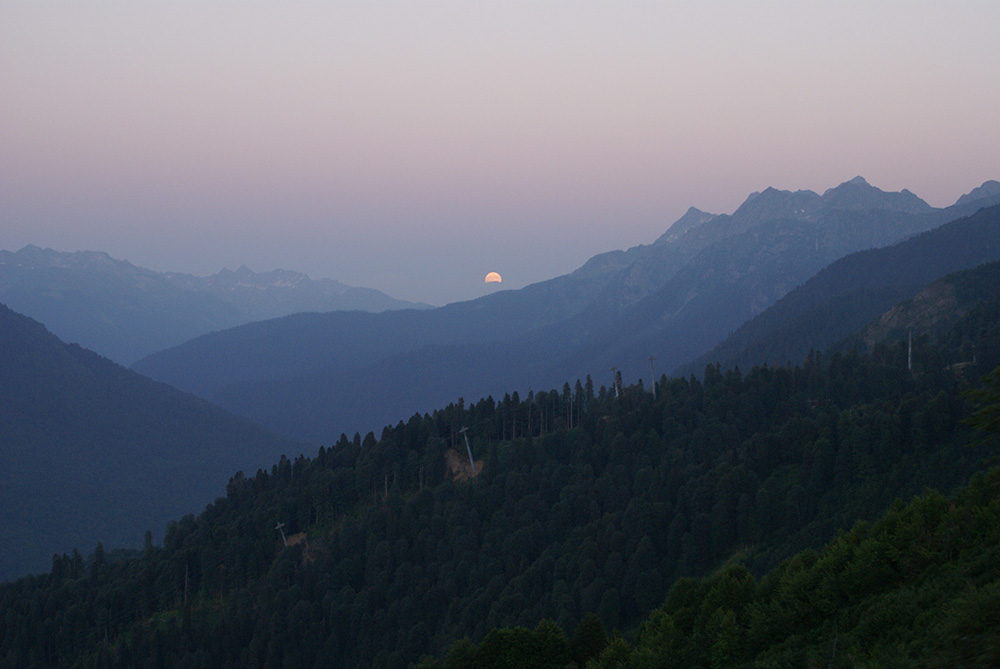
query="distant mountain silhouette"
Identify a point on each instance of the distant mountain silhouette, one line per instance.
(125, 312)
(309, 344)
(94, 452)
(739, 266)
(315, 376)
(263, 295)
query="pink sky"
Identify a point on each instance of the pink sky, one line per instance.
(413, 147)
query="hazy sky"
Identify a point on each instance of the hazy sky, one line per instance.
(415, 146)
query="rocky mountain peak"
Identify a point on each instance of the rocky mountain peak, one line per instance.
(35, 256)
(773, 204)
(858, 194)
(691, 219)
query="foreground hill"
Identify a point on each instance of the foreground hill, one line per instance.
(94, 452)
(315, 375)
(854, 290)
(579, 502)
(125, 312)
(920, 587)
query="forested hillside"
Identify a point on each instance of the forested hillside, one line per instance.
(920, 587)
(582, 501)
(934, 311)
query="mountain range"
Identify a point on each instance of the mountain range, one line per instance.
(125, 312)
(313, 376)
(587, 509)
(582, 501)
(848, 293)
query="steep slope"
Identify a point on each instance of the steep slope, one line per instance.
(93, 452)
(933, 310)
(854, 290)
(851, 216)
(762, 259)
(126, 312)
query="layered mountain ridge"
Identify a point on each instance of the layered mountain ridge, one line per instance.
(853, 290)
(317, 375)
(94, 452)
(125, 312)
(588, 510)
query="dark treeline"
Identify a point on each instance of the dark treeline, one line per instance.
(918, 588)
(584, 502)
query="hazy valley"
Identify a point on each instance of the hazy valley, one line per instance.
(126, 312)
(313, 376)
(785, 371)
(464, 335)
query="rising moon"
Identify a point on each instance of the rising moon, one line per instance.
(493, 277)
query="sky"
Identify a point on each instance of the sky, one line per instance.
(415, 146)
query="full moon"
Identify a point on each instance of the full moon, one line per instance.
(493, 277)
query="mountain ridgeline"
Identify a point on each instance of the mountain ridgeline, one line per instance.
(126, 312)
(583, 509)
(850, 292)
(312, 376)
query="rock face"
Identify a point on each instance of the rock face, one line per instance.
(926, 311)
(857, 194)
(691, 219)
(459, 466)
(938, 306)
(799, 226)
